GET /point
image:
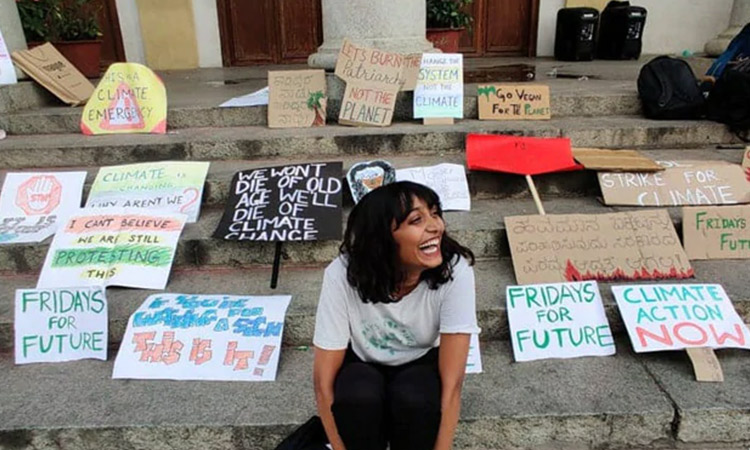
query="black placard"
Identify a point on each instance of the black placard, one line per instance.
(299, 202)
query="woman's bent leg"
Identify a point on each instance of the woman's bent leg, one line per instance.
(414, 407)
(358, 406)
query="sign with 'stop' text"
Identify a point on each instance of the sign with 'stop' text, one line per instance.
(678, 316)
(167, 186)
(716, 232)
(440, 86)
(298, 202)
(297, 98)
(639, 245)
(203, 337)
(514, 102)
(560, 320)
(130, 98)
(64, 324)
(122, 247)
(681, 183)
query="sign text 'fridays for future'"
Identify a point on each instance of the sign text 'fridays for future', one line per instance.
(716, 232)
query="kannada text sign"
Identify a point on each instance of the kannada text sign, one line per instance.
(297, 98)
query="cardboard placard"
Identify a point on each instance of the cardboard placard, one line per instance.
(716, 232)
(130, 98)
(638, 245)
(514, 102)
(366, 176)
(679, 316)
(615, 160)
(440, 86)
(50, 69)
(371, 67)
(64, 324)
(203, 337)
(7, 72)
(448, 180)
(32, 204)
(681, 183)
(367, 105)
(121, 247)
(166, 186)
(412, 62)
(297, 98)
(519, 155)
(558, 320)
(298, 202)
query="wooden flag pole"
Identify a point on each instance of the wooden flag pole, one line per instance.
(535, 194)
(276, 265)
(705, 365)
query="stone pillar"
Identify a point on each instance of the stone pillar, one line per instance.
(10, 25)
(393, 25)
(740, 16)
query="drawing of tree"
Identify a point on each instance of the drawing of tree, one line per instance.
(486, 91)
(316, 102)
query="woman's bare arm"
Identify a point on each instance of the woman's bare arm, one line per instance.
(454, 349)
(325, 368)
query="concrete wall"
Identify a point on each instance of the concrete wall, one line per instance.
(671, 26)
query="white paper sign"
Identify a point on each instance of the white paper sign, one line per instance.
(125, 247)
(64, 324)
(440, 86)
(167, 186)
(203, 337)
(448, 180)
(558, 320)
(474, 360)
(32, 204)
(679, 316)
(7, 72)
(257, 98)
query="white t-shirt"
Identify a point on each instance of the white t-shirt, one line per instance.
(393, 333)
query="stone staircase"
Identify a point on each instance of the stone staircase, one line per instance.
(625, 401)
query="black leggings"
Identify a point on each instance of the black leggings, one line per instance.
(375, 404)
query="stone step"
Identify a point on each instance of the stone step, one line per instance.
(251, 143)
(482, 185)
(624, 401)
(303, 283)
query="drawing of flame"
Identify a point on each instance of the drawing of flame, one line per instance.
(573, 274)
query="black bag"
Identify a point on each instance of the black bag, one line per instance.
(621, 31)
(309, 436)
(669, 90)
(729, 99)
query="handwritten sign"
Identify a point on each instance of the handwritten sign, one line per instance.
(7, 72)
(448, 180)
(125, 247)
(33, 203)
(297, 98)
(167, 186)
(716, 232)
(639, 245)
(518, 154)
(558, 320)
(370, 67)
(514, 102)
(300, 202)
(203, 337)
(679, 316)
(50, 69)
(412, 63)
(367, 176)
(66, 324)
(130, 98)
(367, 105)
(440, 86)
(681, 183)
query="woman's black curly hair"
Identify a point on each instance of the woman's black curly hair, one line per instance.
(371, 251)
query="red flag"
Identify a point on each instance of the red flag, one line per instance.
(519, 155)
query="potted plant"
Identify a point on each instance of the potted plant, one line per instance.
(72, 27)
(446, 19)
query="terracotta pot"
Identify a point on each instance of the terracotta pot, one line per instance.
(84, 55)
(446, 39)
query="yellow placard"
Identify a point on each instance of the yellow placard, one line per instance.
(130, 98)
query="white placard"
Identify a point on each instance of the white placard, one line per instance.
(440, 86)
(33, 204)
(448, 180)
(63, 324)
(124, 247)
(257, 98)
(7, 72)
(679, 316)
(474, 360)
(558, 320)
(203, 337)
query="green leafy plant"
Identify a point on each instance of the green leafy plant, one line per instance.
(314, 103)
(59, 20)
(486, 91)
(448, 14)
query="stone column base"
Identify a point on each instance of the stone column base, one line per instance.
(10, 24)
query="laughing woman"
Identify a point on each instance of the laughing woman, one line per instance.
(392, 331)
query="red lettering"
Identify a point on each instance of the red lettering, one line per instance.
(740, 338)
(687, 341)
(644, 333)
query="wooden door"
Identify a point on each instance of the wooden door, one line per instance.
(112, 48)
(502, 28)
(269, 31)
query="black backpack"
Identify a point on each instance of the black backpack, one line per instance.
(729, 99)
(669, 90)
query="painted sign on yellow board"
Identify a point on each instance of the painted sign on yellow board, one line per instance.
(130, 98)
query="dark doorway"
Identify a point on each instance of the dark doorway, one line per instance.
(502, 28)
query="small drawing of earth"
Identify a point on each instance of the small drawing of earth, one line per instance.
(388, 335)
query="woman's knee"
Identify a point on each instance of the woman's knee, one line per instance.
(358, 386)
(417, 390)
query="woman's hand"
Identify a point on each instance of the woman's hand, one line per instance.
(325, 368)
(454, 349)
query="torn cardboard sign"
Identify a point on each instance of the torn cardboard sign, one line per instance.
(716, 232)
(50, 69)
(639, 245)
(370, 67)
(681, 183)
(514, 102)
(297, 98)
(615, 160)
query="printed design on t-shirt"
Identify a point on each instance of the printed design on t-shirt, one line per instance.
(387, 336)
